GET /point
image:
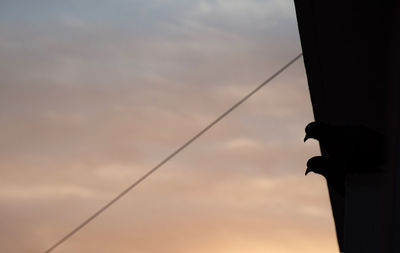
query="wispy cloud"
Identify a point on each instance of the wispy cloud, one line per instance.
(95, 93)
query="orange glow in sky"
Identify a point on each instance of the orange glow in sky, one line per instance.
(94, 94)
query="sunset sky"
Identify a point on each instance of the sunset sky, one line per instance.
(94, 93)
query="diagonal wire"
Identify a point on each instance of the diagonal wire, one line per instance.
(177, 151)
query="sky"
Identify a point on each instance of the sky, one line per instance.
(94, 93)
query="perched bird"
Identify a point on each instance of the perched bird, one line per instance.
(348, 149)
(334, 174)
(356, 148)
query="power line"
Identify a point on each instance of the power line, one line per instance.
(173, 154)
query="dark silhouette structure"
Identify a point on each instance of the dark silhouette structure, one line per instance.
(351, 53)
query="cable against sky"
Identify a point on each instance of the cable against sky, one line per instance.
(172, 155)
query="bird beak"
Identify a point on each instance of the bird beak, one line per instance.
(306, 138)
(308, 170)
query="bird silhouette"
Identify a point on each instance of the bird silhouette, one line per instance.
(334, 174)
(356, 148)
(349, 149)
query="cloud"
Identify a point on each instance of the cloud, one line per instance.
(45, 192)
(96, 93)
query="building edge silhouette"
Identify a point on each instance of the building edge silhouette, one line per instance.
(351, 54)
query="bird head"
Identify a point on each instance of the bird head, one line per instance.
(318, 165)
(315, 130)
